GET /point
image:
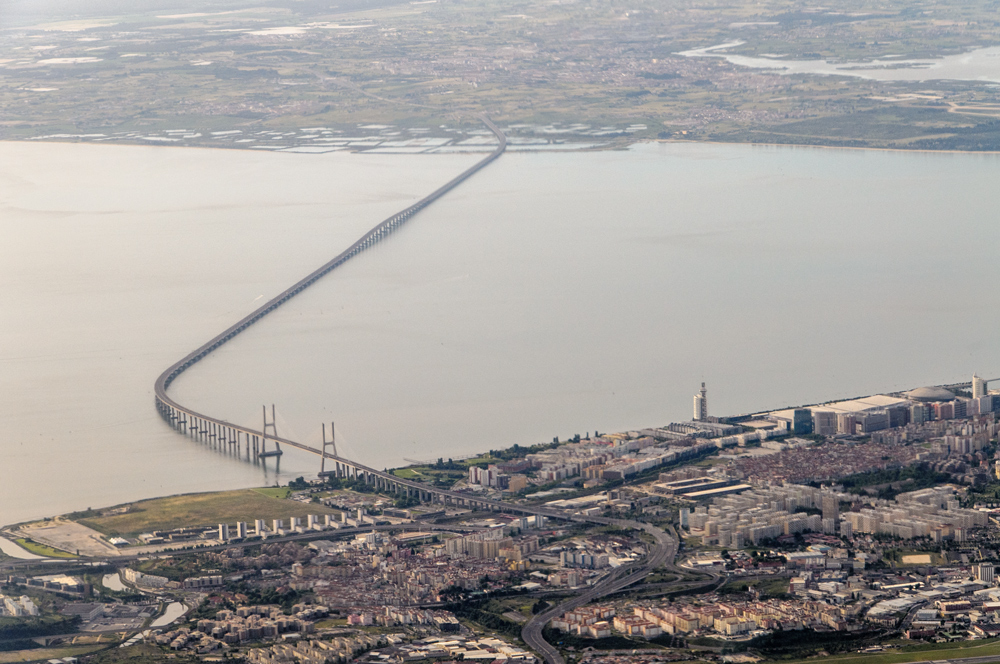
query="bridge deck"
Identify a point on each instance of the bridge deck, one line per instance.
(173, 411)
(184, 418)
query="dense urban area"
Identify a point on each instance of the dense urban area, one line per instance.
(844, 530)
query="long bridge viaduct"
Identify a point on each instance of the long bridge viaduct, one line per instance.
(236, 437)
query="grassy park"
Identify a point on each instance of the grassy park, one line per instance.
(766, 587)
(42, 549)
(43, 654)
(281, 492)
(919, 653)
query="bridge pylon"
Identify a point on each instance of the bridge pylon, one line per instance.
(331, 443)
(274, 433)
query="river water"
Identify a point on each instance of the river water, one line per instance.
(982, 64)
(552, 294)
(115, 261)
(114, 582)
(174, 611)
(11, 549)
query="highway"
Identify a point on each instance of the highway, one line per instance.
(663, 553)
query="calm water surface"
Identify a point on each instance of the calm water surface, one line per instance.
(552, 294)
(982, 64)
(174, 611)
(115, 261)
(11, 549)
(114, 582)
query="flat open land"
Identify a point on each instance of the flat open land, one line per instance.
(910, 557)
(393, 75)
(924, 653)
(42, 654)
(917, 559)
(66, 535)
(42, 549)
(200, 509)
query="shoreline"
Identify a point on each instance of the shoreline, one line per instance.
(832, 147)
(4, 527)
(643, 141)
(610, 148)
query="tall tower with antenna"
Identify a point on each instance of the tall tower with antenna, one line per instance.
(701, 405)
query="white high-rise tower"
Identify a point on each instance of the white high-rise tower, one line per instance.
(701, 405)
(978, 387)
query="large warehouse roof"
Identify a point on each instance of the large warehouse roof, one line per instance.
(874, 402)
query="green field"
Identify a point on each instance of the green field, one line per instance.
(43, 654)
(766, 587)
(918, 653)
(42, 550)
(441, 476)
(275, 492)
(203, 509)
(331, 622)
(479, 460)
(142, 653)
